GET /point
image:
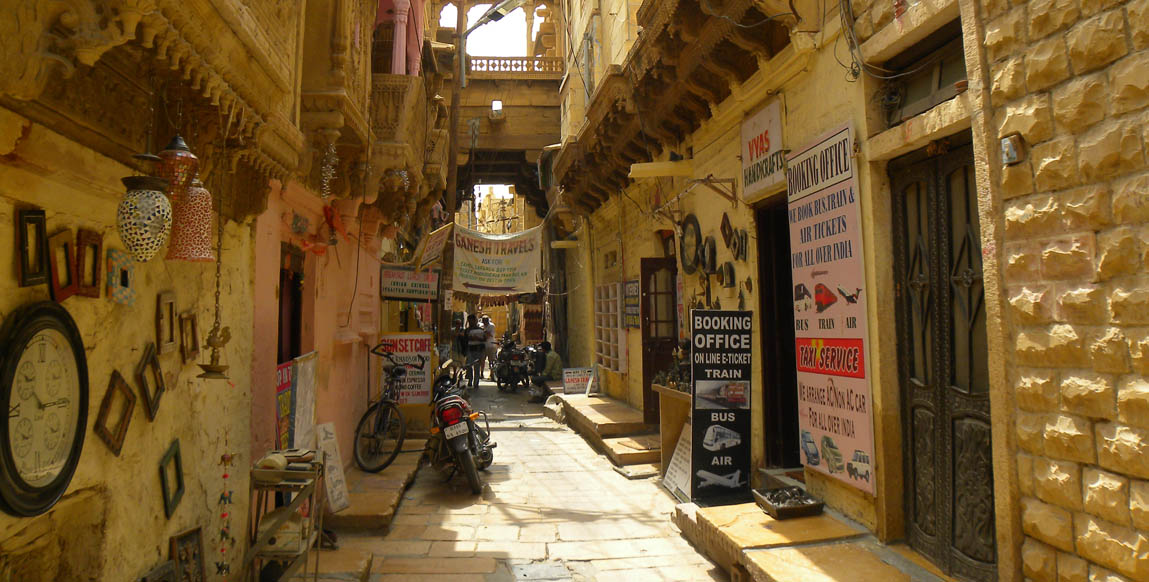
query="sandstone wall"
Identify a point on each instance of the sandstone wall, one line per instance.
(1072, 77)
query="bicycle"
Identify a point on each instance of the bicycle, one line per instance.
(380, 432)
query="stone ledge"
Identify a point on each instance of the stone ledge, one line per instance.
(916, 132)
(375, 496)
(918, 22)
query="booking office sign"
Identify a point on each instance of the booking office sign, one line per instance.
(720, 420)
(835, 412)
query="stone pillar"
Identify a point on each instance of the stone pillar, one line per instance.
(530, 10)
(399, 47)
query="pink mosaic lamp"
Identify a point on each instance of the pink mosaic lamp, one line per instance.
(178, 166)
(191, 226)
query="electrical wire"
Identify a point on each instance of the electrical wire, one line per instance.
(846, 13)
(705, 6)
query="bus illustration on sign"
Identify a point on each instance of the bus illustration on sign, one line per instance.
(719, 437)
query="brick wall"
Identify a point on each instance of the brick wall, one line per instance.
(1072, 77)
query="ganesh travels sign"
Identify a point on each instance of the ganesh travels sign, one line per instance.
(496, 263)
(763, 157)
(835, 411)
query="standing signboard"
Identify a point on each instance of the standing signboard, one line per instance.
(677, 478)
(496, 263)
(336, 484)
(834, 401)
(396, 282)
(305, 377)
(576, 380)
(284, 405)
(415, 386)
(763, 157)
(630, 305)
(720, 420)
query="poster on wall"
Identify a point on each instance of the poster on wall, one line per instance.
(415, 387)
(284, 405)
(763, 156)
(406, 283)
(835, 414)
(305, 376)
(497, 263)
(630, 306)
(720, 412)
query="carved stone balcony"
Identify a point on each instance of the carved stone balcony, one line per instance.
(518, 68)
(399, 119)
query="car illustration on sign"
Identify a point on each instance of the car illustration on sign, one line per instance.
(832, 455)
(859, 466)
(719, 437)
(811, 450)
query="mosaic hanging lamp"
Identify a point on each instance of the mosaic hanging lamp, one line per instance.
(178, 165)
(191, 225)
(144, 217)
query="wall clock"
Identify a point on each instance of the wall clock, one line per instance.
(44, 381)
(691, 241)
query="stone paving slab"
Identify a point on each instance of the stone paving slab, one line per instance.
(604, 416)
(633, 450)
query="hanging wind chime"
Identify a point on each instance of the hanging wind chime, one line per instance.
(218, 337)
(226, 539)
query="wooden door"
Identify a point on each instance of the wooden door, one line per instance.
(942, 363)
(659, 326)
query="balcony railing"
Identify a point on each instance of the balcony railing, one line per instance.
(515, 67)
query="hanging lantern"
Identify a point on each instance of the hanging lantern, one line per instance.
(178, 166)
(144, 217)
(191, 226)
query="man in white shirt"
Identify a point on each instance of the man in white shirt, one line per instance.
(492, 347)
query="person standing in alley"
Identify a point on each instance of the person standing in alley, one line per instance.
(552, 371)
(491, 351)
(476, 340)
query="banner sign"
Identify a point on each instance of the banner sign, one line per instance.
(284, 405)
(835, 414)
(677, 478)
(305, 377)
(415, 387)
(406, 283)
(763, 157)
(576, 380)
(630, 305)
(497, 263)
(433, 245)
(720, 364)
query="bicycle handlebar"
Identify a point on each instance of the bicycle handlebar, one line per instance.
(382, 352)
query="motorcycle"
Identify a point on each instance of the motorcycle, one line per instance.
(458, 443)
(513, 366)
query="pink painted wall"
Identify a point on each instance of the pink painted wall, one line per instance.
(331, 291)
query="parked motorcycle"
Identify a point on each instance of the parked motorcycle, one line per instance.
(458, 443)
(512, 369)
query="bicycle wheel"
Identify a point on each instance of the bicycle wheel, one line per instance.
(379, 436)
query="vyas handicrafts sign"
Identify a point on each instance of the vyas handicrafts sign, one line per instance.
(763, 157)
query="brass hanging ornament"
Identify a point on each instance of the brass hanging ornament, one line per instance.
(218, 337)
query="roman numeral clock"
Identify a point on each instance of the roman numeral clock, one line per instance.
(44, 381)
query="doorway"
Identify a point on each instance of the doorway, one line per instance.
(779, 373)
(942, 361)
(659, 320)
(290, 302)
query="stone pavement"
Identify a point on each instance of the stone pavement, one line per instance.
(551, 509)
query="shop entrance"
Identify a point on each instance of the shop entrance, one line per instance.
(290, 302)
(942, 352)
(779, 376)
(659, 314)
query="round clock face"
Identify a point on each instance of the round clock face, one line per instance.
(42, 408)
(44, 380)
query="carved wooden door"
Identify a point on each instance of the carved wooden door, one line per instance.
(659, 319)
(942, 361)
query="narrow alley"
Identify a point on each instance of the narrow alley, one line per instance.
(551, 510)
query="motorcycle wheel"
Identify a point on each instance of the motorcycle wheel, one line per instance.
(379, 437)
(467, 463)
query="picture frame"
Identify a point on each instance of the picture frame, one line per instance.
(187, 553)
(150, 391)
(89, 240)
(62, 242)
(121, 274)
(114, 436)
(166, 322)
(165, 572)
(189, 336)
(32, 244)
(172, 472)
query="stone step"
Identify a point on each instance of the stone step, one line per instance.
(640, 471)
(604, 416)
(374, 496)
(633, 450)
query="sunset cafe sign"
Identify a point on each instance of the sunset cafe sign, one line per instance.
(763, 157)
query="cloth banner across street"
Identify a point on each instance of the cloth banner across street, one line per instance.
(496, 263)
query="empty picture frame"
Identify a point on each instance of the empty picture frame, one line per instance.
(172, 478)
(121, 272)
(62, 282)
(151, 378)
(89, 262)
(166, 322)
(189, 336)
(32, 244)
(120, 397)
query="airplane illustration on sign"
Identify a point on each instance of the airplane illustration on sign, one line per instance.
(733, 480)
